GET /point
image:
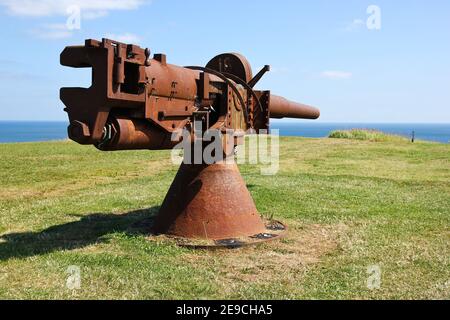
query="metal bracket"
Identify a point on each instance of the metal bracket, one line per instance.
(258, 77)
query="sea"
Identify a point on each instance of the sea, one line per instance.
(29, 131)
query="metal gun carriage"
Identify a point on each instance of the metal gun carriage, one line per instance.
(138, 102)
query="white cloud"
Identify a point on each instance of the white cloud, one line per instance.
(86, 9)
(89, 8)
(336, 75)
(90, 15)
(355, 25)
(52, 31)
(128, 38)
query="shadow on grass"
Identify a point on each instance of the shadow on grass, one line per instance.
(88, 230)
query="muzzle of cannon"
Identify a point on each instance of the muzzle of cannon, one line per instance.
(139, 102)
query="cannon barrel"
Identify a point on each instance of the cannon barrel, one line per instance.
(283, 108)
(139, 102)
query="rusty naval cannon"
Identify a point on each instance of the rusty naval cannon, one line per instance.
(141, 102)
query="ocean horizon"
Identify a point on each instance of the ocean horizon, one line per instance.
(33, 131)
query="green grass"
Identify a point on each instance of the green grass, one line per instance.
(365, 134)
(349, 204)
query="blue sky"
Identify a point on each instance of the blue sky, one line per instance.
(321, 52)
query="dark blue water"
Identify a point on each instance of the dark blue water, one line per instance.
(27, 131)
(430, 132)
(22, 131)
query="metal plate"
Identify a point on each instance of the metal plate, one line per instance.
(232, 63)
(274, 230)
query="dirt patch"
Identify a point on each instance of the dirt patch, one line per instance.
(304, 245)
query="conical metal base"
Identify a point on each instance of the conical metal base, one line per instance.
(212, 203)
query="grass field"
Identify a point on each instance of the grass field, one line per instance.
(351, 206)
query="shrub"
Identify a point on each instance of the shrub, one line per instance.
(365, 134)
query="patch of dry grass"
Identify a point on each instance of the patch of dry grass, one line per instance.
(303, 246)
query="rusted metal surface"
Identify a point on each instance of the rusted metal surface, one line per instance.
(128, 84)
(138, 102)
(283, 108)
(200, 192)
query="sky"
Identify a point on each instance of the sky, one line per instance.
(356, 60)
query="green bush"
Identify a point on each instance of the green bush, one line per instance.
(365, 134)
